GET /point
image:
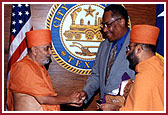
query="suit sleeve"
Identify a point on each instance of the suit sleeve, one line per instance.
(93, 83)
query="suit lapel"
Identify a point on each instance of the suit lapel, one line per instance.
(106, 56)
(119, 60)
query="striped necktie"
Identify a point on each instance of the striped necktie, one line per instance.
(111, 61)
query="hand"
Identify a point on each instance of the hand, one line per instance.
(98, 107)
(99, 102)
(127, 88)
(75, 98)
(109, 107)
(82, 96)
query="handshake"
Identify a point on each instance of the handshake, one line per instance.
(77, 98)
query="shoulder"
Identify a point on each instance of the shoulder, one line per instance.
(150, 75)
(104, 42)
(23, 72)
(22, 64)
(19, 66)
(22, 68)
(151, 67)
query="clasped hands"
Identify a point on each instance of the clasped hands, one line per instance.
(77, 98)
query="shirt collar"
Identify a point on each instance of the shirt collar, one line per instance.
(120, 42)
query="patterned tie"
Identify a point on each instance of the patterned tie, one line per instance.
(111, 61)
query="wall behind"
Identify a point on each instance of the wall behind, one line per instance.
(65, 82)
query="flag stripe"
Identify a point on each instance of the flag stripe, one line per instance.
(23, 54)
(19, 53)
(11, 39)
(20, 24)
(16, 54)
(19, 38)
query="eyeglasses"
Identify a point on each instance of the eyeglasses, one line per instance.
(104, 25)
(128, 48)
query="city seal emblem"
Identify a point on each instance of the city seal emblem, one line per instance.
(76, 35)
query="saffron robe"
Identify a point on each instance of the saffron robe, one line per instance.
(28, 77)
(147, 92)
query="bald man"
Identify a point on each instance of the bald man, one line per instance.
(30, 87)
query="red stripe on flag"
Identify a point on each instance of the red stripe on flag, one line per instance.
(31, 28)
(11, 39)
(17, 54)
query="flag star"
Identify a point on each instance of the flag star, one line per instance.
(26, 12)
(13, 14)
(19, 5)
(20, 21)
(161, 14)
(13, 30)
(26, 5)
(13, 6)
(20, 13)
(13, 22)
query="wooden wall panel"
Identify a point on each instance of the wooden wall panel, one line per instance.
(7, 18)
(65, 82)
(142, 13)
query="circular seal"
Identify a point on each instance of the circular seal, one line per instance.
(75, 30)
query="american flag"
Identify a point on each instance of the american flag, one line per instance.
(20, 24)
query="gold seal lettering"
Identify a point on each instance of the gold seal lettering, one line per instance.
(64, 7)
(87, 64)
(70, 58)
(56, 23)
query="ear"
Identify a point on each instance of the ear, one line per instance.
(138, 49)
(122, 22)
(34, 50)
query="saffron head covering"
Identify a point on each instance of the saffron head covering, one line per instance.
(38, 37)
(146, 34)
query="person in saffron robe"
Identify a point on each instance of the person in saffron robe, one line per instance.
(147, 91)
(30, 87)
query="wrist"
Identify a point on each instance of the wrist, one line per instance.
(84, 93)
(70, 99)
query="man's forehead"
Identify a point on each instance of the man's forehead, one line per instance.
(45, 45)
(108, 17)
(109, 13)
